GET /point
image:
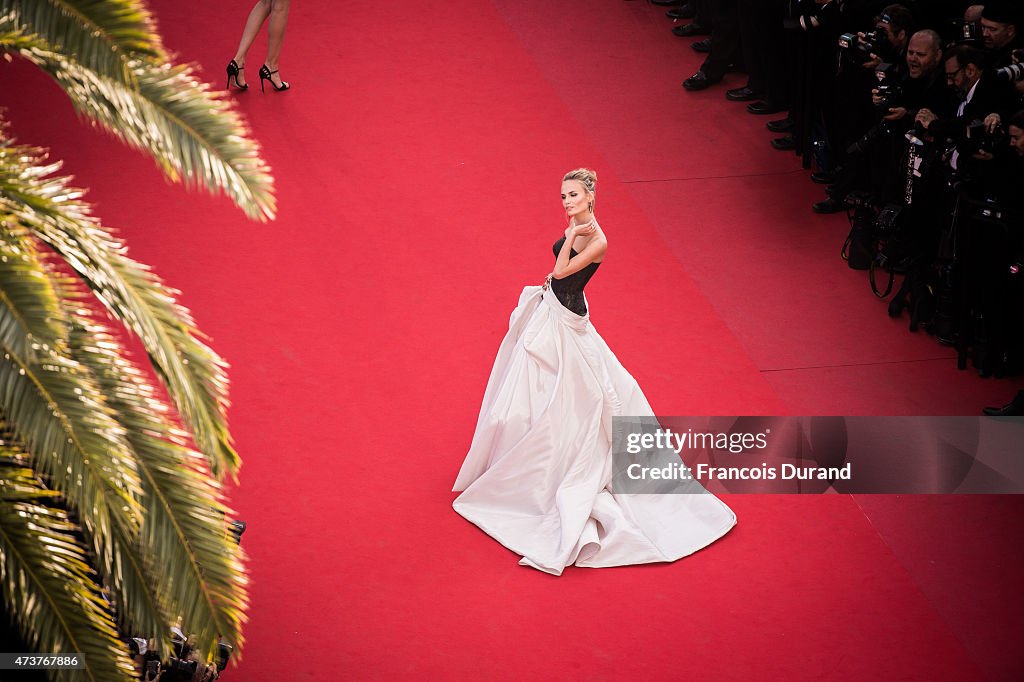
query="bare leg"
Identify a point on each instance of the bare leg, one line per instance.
(253, 24)
(275, 33)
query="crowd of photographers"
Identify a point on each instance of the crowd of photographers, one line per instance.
(184, 664)
(912, 114)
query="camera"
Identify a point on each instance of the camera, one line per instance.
(889, 219)
(887, 86)
(861, 49)
(179, 670)
(978, 139)
(1012, 73)
(967, 33)
(872, 39)
(859, 200)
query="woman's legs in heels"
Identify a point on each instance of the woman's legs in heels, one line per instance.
(275, 33)
(253, 24)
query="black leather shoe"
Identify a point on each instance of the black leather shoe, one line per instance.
(782, 125)
(698, 81)
(743, 94)
(763, 107)
(684, 11)
(822, 178)
(829, 205)
(688, 30)
(1008, 410)
(702, 45)
(784, 144)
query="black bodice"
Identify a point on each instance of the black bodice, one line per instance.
(569, 290)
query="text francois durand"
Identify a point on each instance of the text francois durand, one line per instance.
(666, 439)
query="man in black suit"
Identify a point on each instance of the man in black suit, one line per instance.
(981, 95)
(999, 20)
(983, 237)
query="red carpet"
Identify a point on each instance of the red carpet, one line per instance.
(417, 161)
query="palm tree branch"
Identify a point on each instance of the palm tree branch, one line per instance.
(193, 133)
(138, 591)
(102, 34)
(52, 404)
(193, 373)
(184, 511)
(46, 579)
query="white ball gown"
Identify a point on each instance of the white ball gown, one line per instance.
(538, 474)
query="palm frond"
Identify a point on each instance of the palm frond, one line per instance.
(200, 574)
(102, 35)
(32, 297)
(53, 406)
(193, 133)
(46, 580)
(193, 373)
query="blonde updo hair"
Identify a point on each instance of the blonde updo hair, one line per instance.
(587, 178)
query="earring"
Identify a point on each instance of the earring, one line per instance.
(591, 206)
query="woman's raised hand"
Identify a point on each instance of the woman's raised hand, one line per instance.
(585, 230)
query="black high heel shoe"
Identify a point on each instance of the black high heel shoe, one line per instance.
(233, 70)
(265, 75)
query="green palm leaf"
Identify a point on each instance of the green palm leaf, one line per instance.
(193, 373)
(200, 568)
(102, 35)
(52, 403)
(83, 434)
(53, 406)
(192, 132)
(46, 580)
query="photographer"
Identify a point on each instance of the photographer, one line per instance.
(999, 20)
(923, 86)
(888, 42)
(983, 98)
(873, 160)
(981, 166)
(920, 194)
(1003, 42)
(1015, 407)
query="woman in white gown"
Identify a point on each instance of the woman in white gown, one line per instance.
(539, 471)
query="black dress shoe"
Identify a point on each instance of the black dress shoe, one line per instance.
(702, 45)
(1008, 410)
(822, 178)
(784, 144)
(829, 205)
(698, 81)
(685, 11)
(763, 107)
(688, 30)
(782, 125)
(743, 94)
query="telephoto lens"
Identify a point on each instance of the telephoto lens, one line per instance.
(1012, 73)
